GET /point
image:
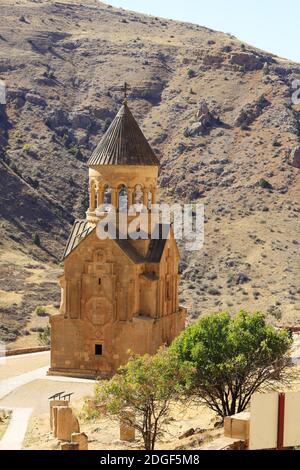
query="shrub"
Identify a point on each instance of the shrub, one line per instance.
(34, 183)
(36, 239)
(41, 312)
(262, 102)
(191, 73)
(213, 291)
(106, 124)
(245, 126)
(45, 336)
(264, 184)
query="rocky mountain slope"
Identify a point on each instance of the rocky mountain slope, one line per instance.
(218, 114)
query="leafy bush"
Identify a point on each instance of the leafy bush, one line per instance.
(41, 312)
(232, 359)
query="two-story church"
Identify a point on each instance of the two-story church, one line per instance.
(116, 294)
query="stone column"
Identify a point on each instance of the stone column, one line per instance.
(154, 196)
(114, 197)
(100, 196)
(52, 404)
(67, 423)
(92, 197)
(145, 197)
(130, 196)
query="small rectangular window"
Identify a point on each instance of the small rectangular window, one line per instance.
(99, 281)
(98, 349)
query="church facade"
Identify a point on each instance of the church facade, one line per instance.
(117, 295)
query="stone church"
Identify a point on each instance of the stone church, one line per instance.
(116, 295)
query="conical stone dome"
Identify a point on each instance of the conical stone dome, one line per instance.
(123, 143)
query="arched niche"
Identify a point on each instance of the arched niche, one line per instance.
(107, 199)
(122, 197)
(138, 194)
(150, 199)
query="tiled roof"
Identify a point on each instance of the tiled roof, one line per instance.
(81, 229)
(123, 143)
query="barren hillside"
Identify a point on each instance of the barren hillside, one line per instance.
(64, 64)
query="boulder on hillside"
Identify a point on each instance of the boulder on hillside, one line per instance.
(213, 60)
(194, 129)
(14, 93)
(247, 60)
(57, 118)
(295, 157)
(80, 120)
(36, 100)
(247, 114)
(205, 120)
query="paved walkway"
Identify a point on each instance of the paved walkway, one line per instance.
(9, 385)
(15, 433)
(13, 385)
(12, 366)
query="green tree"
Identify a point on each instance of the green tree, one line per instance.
(233, 358)
(141, 392)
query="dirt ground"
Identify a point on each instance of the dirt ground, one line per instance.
(103, 433)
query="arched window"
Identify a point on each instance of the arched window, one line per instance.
(95, 196)
(138, 195)
(122, 198)
(150, 199)
(107, 196)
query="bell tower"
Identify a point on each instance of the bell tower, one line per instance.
(123, 169)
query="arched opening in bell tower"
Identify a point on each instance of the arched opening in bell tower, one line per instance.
(122, 198)
(107, 196)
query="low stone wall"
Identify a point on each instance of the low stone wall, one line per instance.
(16, 352)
